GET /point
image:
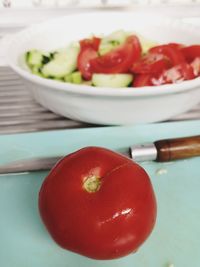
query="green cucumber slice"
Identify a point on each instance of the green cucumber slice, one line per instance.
(112, 80)
(111, 41)
(63, 63)
(34, 58)
(77, 77)
(146, 43)
(74, 77)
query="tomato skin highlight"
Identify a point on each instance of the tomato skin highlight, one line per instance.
(88, 51)
(120, 59)
(84, 57)
(109, 223)
(195, 64)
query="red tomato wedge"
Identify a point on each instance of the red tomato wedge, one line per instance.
(93, 43)
(141, 80)
(175, 74)
(120, 59)
(84, 57)
(89, 48)
(171, 51)
(191, 52)
(151, 63)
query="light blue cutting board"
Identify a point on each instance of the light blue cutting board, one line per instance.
(24, 241)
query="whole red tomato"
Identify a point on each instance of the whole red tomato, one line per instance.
(98, 203)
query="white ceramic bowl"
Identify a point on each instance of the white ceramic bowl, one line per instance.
(106, 105)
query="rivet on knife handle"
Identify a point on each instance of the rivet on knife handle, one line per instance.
(177, 148)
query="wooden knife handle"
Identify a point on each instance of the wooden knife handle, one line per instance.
(178, 148)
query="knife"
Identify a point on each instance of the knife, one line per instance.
(160, 151)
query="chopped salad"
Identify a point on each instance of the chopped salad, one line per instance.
(120, 59)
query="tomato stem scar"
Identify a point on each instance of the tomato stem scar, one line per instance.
(92, 184)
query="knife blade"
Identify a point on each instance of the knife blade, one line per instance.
(160, 151)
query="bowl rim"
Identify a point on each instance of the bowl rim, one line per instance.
(102, 91)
